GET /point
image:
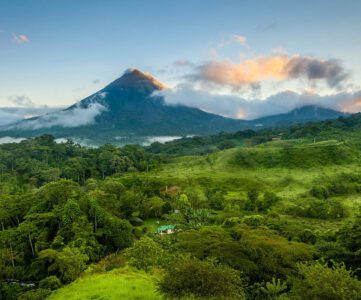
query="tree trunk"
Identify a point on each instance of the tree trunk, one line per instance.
(12, 255)
(95, 223)
(31, 245)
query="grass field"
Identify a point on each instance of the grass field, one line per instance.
(116, 285)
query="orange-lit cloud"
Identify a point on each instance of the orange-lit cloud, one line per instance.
(277, 67)
(20, 38)
(351, 105)
(247, 72)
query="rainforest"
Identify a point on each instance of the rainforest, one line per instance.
(273, 214)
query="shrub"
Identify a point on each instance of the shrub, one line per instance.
(195, 278)
(67, 263)
(144, 254)
(273, 289)
(215, 198)
(319, 209)
(320, 192)
(226, 145)
(317, 281)
(254, 221)
(252, 199)
(231, 222)
(269, 199)
(307, 236)
(50, 283)
(39, 294)
(258, 252)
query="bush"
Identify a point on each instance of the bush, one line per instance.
(254, 221)
(144, 254)
(226, 145)
(258, 252)
(215, 198)
(195, 278)
(318, 281)
(319, 209)
(50, 283)
(307, 236)
(252, 200)
(269, 199)
(231, 222)
(320, 192)
(39, 294)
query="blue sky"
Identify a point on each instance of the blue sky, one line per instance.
(57, 52)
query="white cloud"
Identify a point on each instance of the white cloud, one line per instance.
(236, 107)
(22, 117)
(77, 116)
(9, 115)
(8, 139)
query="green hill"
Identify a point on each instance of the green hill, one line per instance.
(115, 285)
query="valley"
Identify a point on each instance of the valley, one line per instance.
(264, 209)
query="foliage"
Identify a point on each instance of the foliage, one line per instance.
(318, 281)
(145, 253)
(68, 263)
(50, 283)
(194, 278)
(274, 289)
(256, 209)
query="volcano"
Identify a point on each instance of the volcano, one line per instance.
(132, 106)
(127, 106)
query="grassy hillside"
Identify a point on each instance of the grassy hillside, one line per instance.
(118, 284)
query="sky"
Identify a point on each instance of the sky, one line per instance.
(241, 59)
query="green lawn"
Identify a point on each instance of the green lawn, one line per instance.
(115, 285)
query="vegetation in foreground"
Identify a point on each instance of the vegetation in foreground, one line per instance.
(274, 219)
(123, 284)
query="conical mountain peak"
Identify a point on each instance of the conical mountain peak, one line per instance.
(135, 79)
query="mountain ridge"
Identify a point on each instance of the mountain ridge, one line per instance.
(128, 106)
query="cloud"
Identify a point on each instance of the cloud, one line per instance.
(233, 39)
(75, 116)
(312, 68)
(8, 139)
(266, 68)
(242, 40)
(183, 63)
(9, 115)
(21, 100)
(236, 107)
(20, 38)
(35, 117)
